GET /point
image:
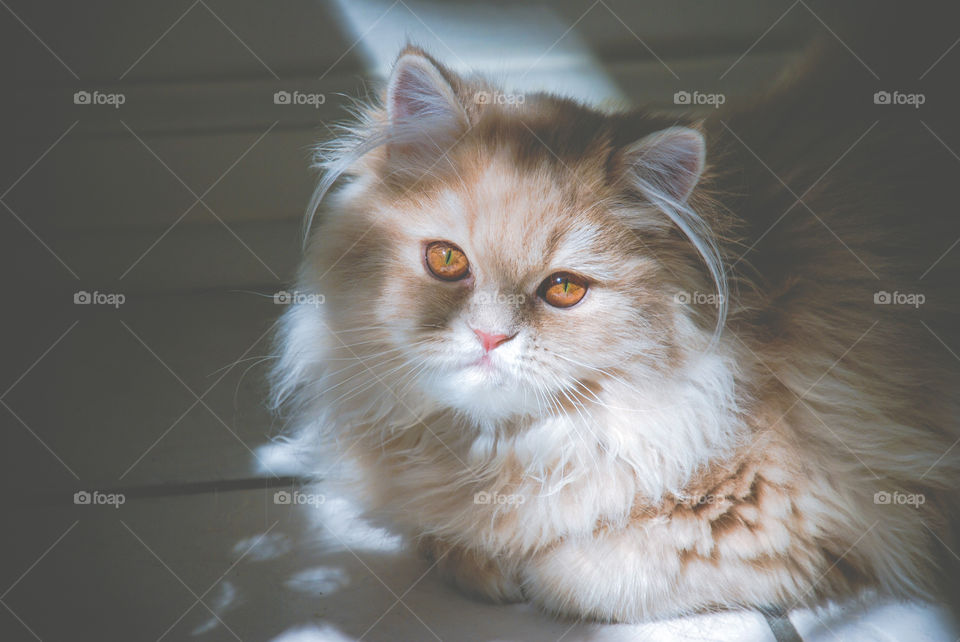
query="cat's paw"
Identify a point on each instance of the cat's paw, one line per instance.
(473, 573)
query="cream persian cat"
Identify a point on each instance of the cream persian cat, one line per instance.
(630, 367)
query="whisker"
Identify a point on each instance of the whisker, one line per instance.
(263, 357)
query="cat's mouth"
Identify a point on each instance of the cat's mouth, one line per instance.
(486, 369)
(484, 363)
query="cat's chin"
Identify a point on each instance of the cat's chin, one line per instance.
(482, 391)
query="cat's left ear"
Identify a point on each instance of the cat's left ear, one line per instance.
(670, 160)
(424, 112)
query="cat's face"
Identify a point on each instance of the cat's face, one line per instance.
(509, 288)
(502, 280)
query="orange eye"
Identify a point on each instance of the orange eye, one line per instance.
(562, 289)
(446, 261)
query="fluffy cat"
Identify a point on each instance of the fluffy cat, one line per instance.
(626, 366)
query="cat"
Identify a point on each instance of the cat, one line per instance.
(630, 366)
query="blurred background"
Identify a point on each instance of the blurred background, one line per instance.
(155, 172)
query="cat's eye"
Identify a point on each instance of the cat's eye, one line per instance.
(563, 289)
(446, 261)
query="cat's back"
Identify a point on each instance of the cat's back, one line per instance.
(844, 173)
(846, 253)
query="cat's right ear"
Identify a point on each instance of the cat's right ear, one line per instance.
(425, 115)
(669, 161)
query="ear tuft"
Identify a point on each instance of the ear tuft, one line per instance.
(425, 118)
(418, 93)
(671, 160)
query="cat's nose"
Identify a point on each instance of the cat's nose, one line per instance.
(490, 341)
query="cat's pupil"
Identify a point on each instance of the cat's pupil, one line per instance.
(447, 257)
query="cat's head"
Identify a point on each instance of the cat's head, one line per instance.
(505, 255)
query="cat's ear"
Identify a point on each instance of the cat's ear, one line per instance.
(425, 115)
(670, 160)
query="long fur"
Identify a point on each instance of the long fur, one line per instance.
(641, 454)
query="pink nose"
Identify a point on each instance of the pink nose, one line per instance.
(490, 341)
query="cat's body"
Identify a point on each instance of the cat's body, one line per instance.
(620, 460)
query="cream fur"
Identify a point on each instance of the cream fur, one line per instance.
(644, 458)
